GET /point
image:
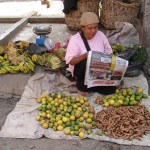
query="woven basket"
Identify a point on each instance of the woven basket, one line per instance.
(113, 10)
(73, 18)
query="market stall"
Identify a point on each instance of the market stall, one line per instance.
(47, 108)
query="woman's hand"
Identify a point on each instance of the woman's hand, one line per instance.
(78, 59)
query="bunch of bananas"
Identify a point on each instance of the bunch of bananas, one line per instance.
(60, 53)
(117, 48)
(34, 58)
(9, 69)
(48, 60)
(25, 66)
(22, 44)
(6, 66)
(55, 62)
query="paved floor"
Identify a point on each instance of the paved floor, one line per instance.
(12, 8)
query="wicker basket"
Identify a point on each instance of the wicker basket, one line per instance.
(113, 10)
(73, 18)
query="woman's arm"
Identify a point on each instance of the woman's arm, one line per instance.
(76, 60)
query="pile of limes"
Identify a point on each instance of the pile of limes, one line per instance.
(124, 97)
(73, 115)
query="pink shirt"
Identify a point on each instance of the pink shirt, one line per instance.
(76, 46)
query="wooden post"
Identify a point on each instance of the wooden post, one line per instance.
(146, 24)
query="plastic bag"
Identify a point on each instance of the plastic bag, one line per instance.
(66, 39)
(133, 73)
(36, 49)
(49, 43)
(126, 34)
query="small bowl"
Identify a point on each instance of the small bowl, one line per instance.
(42, 30)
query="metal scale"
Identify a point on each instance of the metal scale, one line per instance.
(42, 31)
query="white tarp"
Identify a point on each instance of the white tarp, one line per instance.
(21, 122)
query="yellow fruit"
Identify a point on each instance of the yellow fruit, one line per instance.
(72, 118)
(56, 124)
(64, 119)
(58, 118)
(43, 114)
(53, 94)
(59, 96)
(85, 115)
(87, 104)
(91, 115)
(106, 104)
(88, 120)
(48, 116)
(85, 98)
(81, 134)
(72, 132)
(45, 125)
(42, 122)
(129, 90)
(89, 131)
(117, 91)
(50, 125)
(60, 122)
(67, 131)
(111, 102)
(81, 101)
(79, 109)
(64, 103)
(139, 90)
(76, 127)
(81, 124)
(77, 99)
(77, 115)
(75, 106)
(82, 130)
(120, 102)
(43, 99)
(39, 100)
(124, 93)
(43, 102)
(60, 128)
(81, 119)
(38, 118)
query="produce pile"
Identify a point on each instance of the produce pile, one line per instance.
(130, 122)
(54, 60)
(135, 53)
(72, 115)
(118, 48)
(13, 59)
(123, 97)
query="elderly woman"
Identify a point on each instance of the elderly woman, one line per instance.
(77, 51)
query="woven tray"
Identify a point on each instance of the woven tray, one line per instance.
(113, 11)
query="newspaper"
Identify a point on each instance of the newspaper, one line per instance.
(104, 69)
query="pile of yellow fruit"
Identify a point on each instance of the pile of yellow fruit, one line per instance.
(72, 115)
(124, 97)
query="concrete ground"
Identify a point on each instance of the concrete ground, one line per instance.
(21, 7)
(12, 87)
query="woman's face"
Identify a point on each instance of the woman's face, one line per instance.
(90, 30)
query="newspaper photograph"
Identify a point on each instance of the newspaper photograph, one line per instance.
(104, 69)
